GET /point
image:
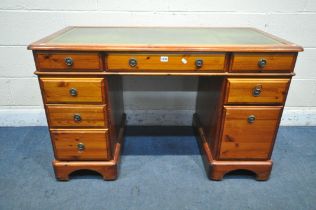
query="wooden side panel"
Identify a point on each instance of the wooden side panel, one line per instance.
(244, 140)
(56, 61)
(57, 90)
(66, 144)
(208, 108)
(115, 106)
(272, 91)
(89, 115)
(247, 62)
(166, 62)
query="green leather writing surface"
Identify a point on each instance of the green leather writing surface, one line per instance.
(163, 36)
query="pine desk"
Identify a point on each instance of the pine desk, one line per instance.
(244, 76)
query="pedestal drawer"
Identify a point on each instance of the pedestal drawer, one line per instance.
(263, 62)
(77, 115)
(249, 132)
(76, 144)
(255, 91)
(166, 62)
(68, 61)
(73, 90)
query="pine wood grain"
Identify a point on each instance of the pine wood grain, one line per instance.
(56, 90)
(95, 141)
(152, 62)
(55, 61)
(276, 62)
(209, 103)
(91, 115)
(240, 90)
(243, 140)
(216, 169)
(108, 169)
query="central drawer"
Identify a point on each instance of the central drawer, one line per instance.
(160, 62)
(83, 144)
(77, 115)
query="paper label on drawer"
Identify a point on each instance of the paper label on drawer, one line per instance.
(164, 59)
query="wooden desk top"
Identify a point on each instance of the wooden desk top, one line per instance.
(164, 39)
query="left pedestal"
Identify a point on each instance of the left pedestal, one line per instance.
(84, 112)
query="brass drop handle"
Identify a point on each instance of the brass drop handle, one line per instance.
(69, 61)
(73, 92)
(132, 62)
(256, 91)
(77, 117)
(251, 118)
(198, 63)
(81, 146)
(262, 62)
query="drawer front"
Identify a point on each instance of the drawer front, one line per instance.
(74, 90)
(249, 132)
(263, 62)
(81, 144)
(68, 61)
(211, 62)
(256, 91)
(77, 115)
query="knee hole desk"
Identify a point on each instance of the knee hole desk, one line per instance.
(244, 76)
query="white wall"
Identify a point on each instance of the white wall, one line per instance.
(24, 21)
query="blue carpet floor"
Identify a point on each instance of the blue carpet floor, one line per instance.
(158, 171)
